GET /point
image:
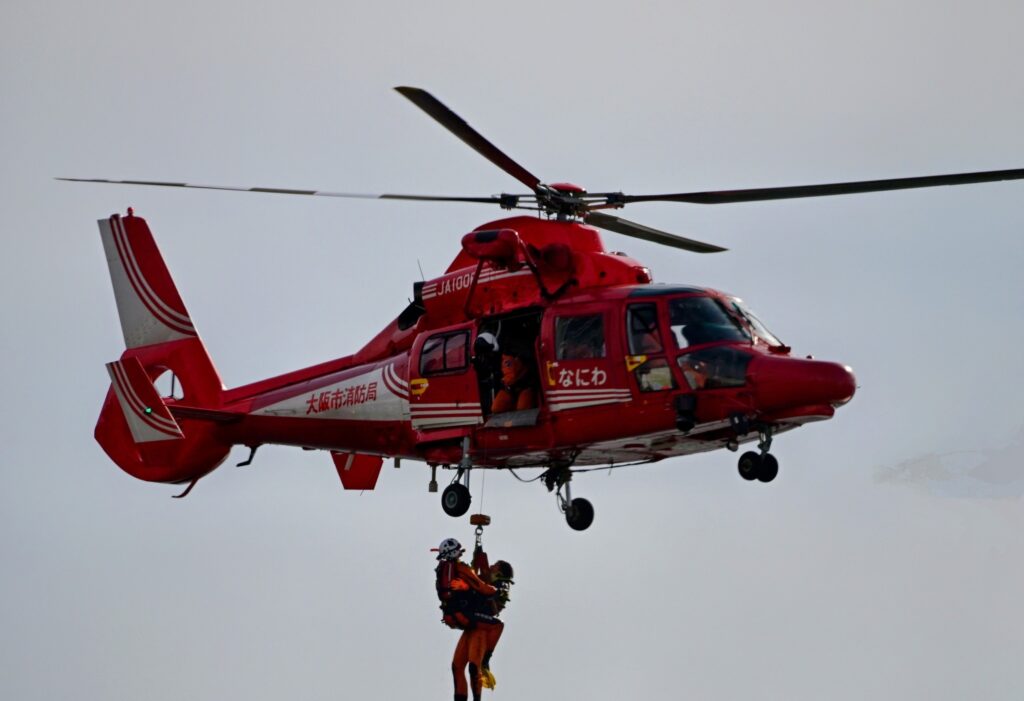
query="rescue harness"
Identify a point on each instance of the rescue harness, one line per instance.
(461, 605)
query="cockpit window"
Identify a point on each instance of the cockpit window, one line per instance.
(714, 368)
(760, 330)
(698, 320)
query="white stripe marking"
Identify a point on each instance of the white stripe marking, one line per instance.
(176, 316)
(138, 406)
(581, 404)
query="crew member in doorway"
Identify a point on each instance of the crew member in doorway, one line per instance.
(517, 390)
(487, 362)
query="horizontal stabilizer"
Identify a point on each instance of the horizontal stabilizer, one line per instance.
(146, 414)
(201, 414)
(356, 470)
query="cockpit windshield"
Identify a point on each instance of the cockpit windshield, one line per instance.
(760, 330)
(698, 320)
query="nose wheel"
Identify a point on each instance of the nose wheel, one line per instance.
(761, 466)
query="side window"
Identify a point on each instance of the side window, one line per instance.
(444, 353)
(432, 356)
(644, 337)
(455, 351)
(579, 337)
(655, 374)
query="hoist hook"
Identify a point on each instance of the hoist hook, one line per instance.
(479, 520)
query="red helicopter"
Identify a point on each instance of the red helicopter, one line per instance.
(537, 348)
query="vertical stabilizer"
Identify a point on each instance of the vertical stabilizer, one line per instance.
(148, 303)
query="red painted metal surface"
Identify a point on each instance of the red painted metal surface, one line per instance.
(357, 471)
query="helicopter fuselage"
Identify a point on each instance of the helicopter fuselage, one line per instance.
(612, 369)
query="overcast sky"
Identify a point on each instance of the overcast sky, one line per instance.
(884, 562)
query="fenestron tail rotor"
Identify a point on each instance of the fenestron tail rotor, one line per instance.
(570, 202)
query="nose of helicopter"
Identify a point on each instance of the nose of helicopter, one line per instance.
(843, 382)
(785, 382)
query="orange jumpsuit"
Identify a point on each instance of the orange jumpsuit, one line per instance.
(516, 393)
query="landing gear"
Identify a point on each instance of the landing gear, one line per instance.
(749, 464)
(769, 468)
(579, 513)
(455, 499)
(761, 466)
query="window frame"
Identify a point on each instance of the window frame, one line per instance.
(559, 341)
(652, 359)
(443, 339)
(746, 337)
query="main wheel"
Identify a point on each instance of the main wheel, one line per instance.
(455, 499)
(750, 465)
(579, 515)
(769, 468)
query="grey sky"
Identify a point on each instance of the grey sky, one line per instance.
(270, 582)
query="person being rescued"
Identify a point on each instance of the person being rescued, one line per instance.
(517, 388)
(470, 604)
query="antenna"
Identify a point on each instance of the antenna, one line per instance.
(422, 276)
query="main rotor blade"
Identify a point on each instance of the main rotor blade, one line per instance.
(458, 126)
(639, 231)
(791, 192)
(289, 191)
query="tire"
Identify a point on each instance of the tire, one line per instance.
(749, 465)
(769, 468)
(455, 500)
(580, 514)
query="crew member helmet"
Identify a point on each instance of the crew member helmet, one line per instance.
(486, 343)
(449, 549)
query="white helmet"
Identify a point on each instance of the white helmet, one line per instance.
(449, 549)
(486, 342)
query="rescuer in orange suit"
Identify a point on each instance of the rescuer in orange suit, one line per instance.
(470, 604)
(517, 391)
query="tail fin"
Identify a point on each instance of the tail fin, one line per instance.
(135, 427)
(150, 307)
